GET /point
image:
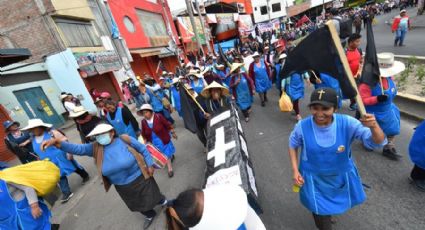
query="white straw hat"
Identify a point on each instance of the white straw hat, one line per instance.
(235, 66)
(63, 96)
(256, 54)
(78, 111)
(100, 129)
(33, 123)
(146, 107)
(214, 85)
(282, 56)
(388, 66)
(225, 208)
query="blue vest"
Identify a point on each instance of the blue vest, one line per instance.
(387, 114)
(55, 155)
(243, 95)
(330, 82)
(417, 146)
(119, 125)
(332, 184)
(262, 81)
(197, 87)
(295, 86)
(156, 100)
(17, 214)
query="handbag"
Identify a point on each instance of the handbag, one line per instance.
(159, 158)
(285, 103)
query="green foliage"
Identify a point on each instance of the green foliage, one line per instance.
(411, 62)
(420, 73)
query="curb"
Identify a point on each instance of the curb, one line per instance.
(411, 106)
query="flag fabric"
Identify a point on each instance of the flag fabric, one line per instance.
(223, 57)
(188, 110)
(317, 52)
(370, 73)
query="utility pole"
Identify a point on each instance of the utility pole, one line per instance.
(201, 18)
(192, 21)
(170, 32)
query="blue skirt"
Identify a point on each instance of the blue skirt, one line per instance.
(167, 149)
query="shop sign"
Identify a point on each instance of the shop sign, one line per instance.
(91, 64)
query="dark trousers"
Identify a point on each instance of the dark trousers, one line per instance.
(417, 173)
(296, 105)
(151, 213)
(245, 112)
(322, 222)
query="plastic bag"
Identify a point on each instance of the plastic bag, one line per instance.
(285, 103)
(42, 176)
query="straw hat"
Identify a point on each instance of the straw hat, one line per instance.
(164, 72)
(100, 129)
(225, 207)
(282, 56)
(214, 85)
(145, 107)
(78, 111)
(388, 66)
(256, 54)
(34, 123)
(175, 81)
(235, 66)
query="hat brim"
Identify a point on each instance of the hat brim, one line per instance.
(225, 207)
(13, 123)
(74, 115)
(397, 68)
(324, 103)
(35, 126)
(206, 92)
(95, 131)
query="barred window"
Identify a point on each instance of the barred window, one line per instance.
(78, 33)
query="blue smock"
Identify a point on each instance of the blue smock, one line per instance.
(17, 214)
(156, 100)
(119, 125)
(244, 99)
(55, 155)
(175, 100)
(198, 87)
(387, 113)
(417, 146)
(330, 82)
(294, 86)
(278, 83)
(167, 149)
(262, 80)
(332, 183)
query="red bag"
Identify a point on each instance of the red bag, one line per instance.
(159, 159)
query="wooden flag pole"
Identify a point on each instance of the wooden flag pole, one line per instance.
(344, 61)
(194, 99)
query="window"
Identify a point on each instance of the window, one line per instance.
(78, 33)
(263, 10)
(154, 27)
(129, 25)
(276, 7)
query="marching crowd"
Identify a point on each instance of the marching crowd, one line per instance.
(126, 152)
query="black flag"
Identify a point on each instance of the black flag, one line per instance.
(223, 57)
(370, 73)
(318, 52)
(188, 110)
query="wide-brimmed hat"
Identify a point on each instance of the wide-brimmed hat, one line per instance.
(170, 73)
(324, 96)
(388, 66)
(255, 54)
(63, 96)
(34, 123)
(9, 123)
(97, 100)
(145, 107)
(100, 129)
(235, 66)
(214, 85)
(77, 111)
(164, 72)
(282, 56)
(225, 207)
(175, 80)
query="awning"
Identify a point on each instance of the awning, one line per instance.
(147, 52)
(10, 56)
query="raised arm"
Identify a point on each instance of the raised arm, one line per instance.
(76, 149)
(368, 131)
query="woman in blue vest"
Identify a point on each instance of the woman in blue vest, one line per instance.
(378, 100)
(294, 87)
(417, 155)
(242, 89)
(326, 173)
(278, 67)
(65, 162)
(197, 81)
(21, 208)
(121, 119)
(175, 95)
(156, 94)
(323, 80)
(259, 72)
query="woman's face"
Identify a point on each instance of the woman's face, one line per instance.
(147, 114)
(37, 131)
(322, 115)
(111, 108)
(215, 94)
(257, 59)
(13, 128)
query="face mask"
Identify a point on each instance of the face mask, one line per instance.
(104, 139)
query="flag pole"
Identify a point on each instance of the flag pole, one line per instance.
(194, 99)
(343, 58)
(382, 86)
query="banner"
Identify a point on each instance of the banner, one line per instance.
(91, 64)
(269, 26)
(228, 160)
(186, 29)
(245, 25)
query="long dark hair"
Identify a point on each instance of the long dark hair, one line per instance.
(185, 211)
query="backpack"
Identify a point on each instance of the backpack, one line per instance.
(345, 27)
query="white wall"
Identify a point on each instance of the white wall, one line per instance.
(315, 3)
(257, 4)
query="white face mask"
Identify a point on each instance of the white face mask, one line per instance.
(104, 139)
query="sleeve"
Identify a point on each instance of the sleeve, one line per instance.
(30, 193)
(366, 95)
(154, 88)
(77, 149)
(20, 139)
(296, 137)
(363, 134)
(141, 148)
(129, 118)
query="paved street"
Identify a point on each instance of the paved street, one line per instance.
(392, 203)
(415, 39)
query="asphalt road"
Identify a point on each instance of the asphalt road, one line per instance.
(392, 202)
(384, 38)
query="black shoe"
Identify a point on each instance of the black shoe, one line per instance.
(391, 153)
(66, 197)
(172, 158)
(170, 174)
(263, 103)
(419, 184)
(148, 222)
(85, 180)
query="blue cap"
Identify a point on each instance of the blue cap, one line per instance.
(3, 165)
(9, 123)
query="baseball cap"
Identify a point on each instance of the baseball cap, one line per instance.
(324, 96)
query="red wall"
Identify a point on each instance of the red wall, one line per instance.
(149, 64)
(137, 40)
(247, 3)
